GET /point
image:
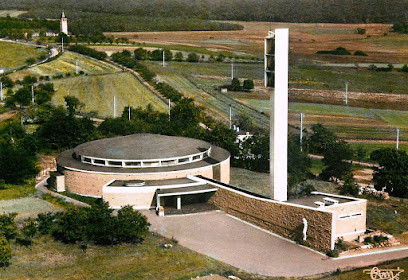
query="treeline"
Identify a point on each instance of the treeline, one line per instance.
(161, 13)
(23, 28)
(88, 51)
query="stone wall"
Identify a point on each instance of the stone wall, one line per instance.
(280, 218)
(91, 183)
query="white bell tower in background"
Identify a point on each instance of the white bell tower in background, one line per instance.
(64, 24)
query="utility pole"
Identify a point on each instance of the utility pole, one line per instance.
(164, 59)
(114, 106)
(230, 116)
(301, 131)
(169, 108)
(32, 94)
(129, 112)
(1, 92)
(76, 67)
(397, 138)
(62, 44)
(232, 70)
(345, 94)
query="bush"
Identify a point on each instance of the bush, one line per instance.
(45, 222)
(333, 253)
(338, 51)
(132, 225)
(178, 57)
(361, 30)
(341, 245)
(8, 227)
(235, 85)
(368, 240)
(360, 53)
(248, 85)
(404, 68)
(193, 57)
(97, 225)
(5, 251)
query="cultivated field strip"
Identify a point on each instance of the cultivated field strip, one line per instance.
(15, 55)
(97, 92)
(66, 63)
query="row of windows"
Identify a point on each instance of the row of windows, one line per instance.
(353, 215)
(144, 163)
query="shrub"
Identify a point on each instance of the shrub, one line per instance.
(361, 30)
(338, 51)
(193, 57)
(235, 84)
(132, 225)
(360, 53)
(349, 187)
(5, 251)
(29, 229)
(368, 240)
(45, 222)
(333, 253)
(341, 245)
(8, 227)
(248, 85)
(178, 56)
(220, 58)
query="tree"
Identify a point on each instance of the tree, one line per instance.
(73, 104)
(193, 57)
(140, 54)
(404, 68)
(22, 96)
(7, 82)
(29, 80)
(132, 225)
(179, 57)
(220, 58)
(321, 139)
(5, 252)
(335, 161)
(16, 164)
(235, 84)
(248, 85)
(392, 173)
(299, 162)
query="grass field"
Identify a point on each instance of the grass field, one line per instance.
(97, 93)
(11, 13)
(15, 55)
(66, 63)
(16, 191)
(26, 207)
(305, 40)
(360, 80)
(48, 259)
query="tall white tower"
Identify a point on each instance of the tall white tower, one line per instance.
(276, 75)
(64, 24)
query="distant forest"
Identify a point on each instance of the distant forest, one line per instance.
(140, 15)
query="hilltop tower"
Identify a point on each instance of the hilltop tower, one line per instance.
(64, 24)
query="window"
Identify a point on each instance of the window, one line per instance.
(85, 159)
(184, 160)
(168, 162)
(197, 157)
(99, 161)
(133, 164)
(115, 163)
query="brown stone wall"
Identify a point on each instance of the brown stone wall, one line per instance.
(91, 183)
(282, 219)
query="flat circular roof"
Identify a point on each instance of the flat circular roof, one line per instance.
(142, 146)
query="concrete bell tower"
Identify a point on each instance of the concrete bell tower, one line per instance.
(276, 76)
(64, 24)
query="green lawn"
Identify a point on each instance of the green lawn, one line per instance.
(48, 259)
(66, 63)
(16, 191)
(15, 55)
(241, 70)
(359, 80)
(97, 93)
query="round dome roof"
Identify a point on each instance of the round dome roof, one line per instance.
(142, 147)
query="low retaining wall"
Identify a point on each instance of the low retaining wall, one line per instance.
(281, 218)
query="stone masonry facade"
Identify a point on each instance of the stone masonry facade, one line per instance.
(282, 219)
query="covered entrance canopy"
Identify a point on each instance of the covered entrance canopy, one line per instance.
(183, 191)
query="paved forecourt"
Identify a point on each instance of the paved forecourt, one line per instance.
(244, 246)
